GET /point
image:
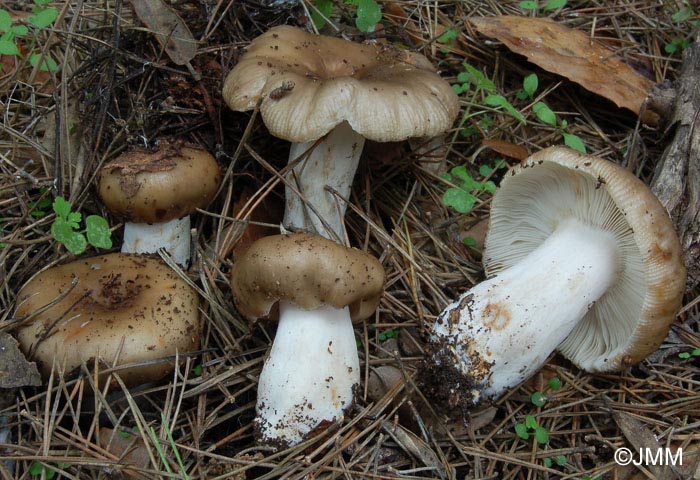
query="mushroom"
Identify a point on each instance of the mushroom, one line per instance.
(310, 86)
(156, 192)
(326, 95)
(580, 257)
(121, 309)
(313, 369)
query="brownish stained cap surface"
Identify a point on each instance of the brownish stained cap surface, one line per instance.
(154, 187)
(384, 93)
(307, 271)
(117, 297)
(632, 319)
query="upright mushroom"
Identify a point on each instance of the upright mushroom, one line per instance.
(580, 257)
(313, 368)
(118, 308)
(156, 191)
(326, 95)
(312, 86)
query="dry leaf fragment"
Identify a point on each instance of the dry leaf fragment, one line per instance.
(570, 53)
(130, 450)
(642, 439)
(507, 149)
(170, 30)
(415, 446)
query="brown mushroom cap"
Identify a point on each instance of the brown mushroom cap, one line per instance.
(633, 317)
(384, 93)
(134, 299)
(307, 271)
(154, 187)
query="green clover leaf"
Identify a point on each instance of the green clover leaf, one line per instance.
(458, 199)
(98, 232)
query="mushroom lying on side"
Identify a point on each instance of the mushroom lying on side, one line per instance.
(313, 368)
(581, 257)
(118, 308)
(312, 86)
(156, 191)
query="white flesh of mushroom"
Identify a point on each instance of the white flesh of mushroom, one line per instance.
(173, 236)
(313, 367)
(311, 373)
(503, 330)
(332, 163)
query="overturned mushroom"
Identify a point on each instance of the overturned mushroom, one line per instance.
(581, 257)
(118, 308)
(313, 368)
(312, 86)
(156, 192)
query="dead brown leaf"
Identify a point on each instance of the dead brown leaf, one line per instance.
(129, 449)
(642, 439)
(415, 446)
(507, 149)
(170, 30)
(475, 230)
(570, 53)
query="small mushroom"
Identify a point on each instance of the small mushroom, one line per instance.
(156, 192)
(118, 308)
(311, 374)
(312, 86)
(580, 257)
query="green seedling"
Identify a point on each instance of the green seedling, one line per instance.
(320, 12)
(40, 208)
(684, 14)
(367, 13)
(473, 77)
(559, 460)
(197, 370)
(548, 7)
(687, 355)
(531, 428)
(540, 398)
(42, 17)
(36, 469)
(447, 38)
(546, 115)
(481, 91)
(386, 335)
(530, 85)
(65, 229)
(678, 44)
(588, 477)
(469, 242)
(464, 195)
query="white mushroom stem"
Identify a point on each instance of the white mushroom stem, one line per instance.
(332, 163)
(502, 331)
(173, 236)
(313, 368)
(310, 376)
